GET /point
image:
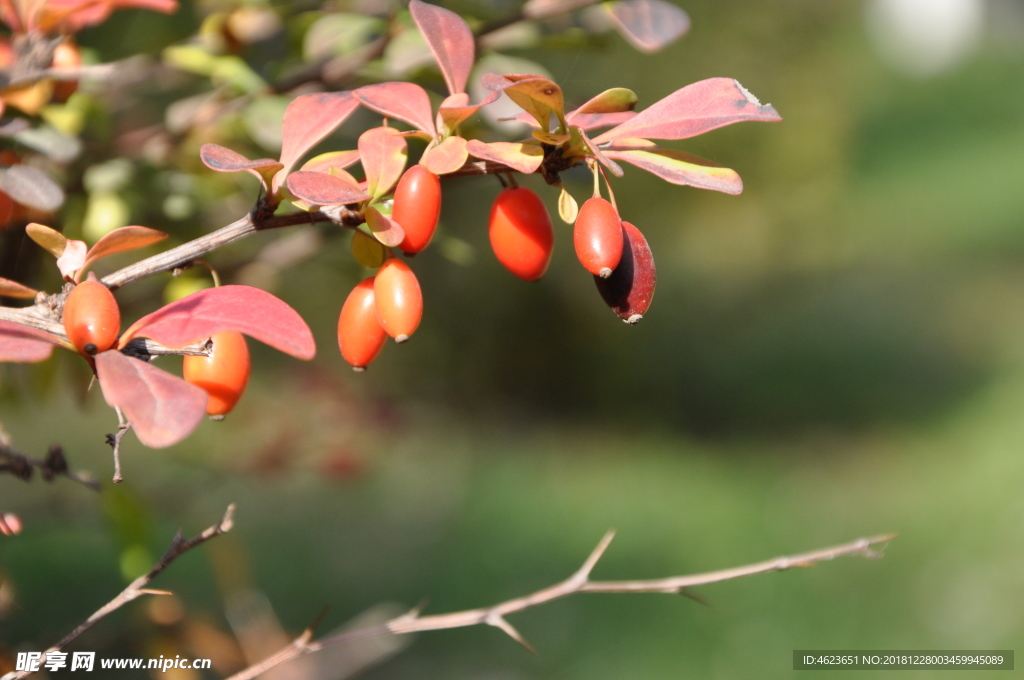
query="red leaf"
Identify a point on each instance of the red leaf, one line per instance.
(682, 168)
(320, 188)
(522, 156)
(22, 344)
(307, 120)
(449, 38)
(384, 229)
(222, 159)
(448, 156)
(162, 408)
(245, 309)
(649, 25)
(122, 240)
(407, 102)
(383, 151)
(694, 110)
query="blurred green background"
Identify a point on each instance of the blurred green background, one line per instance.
(832, 354)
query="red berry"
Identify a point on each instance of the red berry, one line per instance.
(398, 298)
(417, 207)
(598, 237)
(360, 336)
(630, 288)
(91, 317)
(224, 374)
(521, 234)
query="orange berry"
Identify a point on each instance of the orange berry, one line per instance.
(91, 317)
(398, 298)
(521, 235)
(417, 207)
(223, 375)
(360, 335)
(598, 237)
(66, 55)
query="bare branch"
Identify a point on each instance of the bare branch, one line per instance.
(54, 465)
(578, 582)
(137, 588)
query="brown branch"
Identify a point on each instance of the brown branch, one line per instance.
(54, 465)
(578, 582)
(137, 588)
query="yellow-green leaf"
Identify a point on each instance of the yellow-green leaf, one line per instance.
(50, 239)
(367, 251)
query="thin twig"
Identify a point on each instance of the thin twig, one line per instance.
(578, 582)
(114, 440)
(137, 588)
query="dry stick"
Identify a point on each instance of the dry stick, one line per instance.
(579, 582)
(137, 588)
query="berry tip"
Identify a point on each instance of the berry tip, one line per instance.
(401, 338)
(605, 273)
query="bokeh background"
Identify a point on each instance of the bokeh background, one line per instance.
(835, 353)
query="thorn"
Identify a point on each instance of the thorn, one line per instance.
(695, 597)
(307, 634)
(150, 591)
(583, 573)
(499, 622)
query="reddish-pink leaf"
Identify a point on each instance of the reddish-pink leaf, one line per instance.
(307, 120)
(456, 108)
(222, 159)
(383, 151)
(694, 110)
(384, 229)
(448, 156)
(449, 38)
(407, 102)
(72, 16)
(649, 25)
(13, 289)
(162, 408)
(245, 309)
(682, 168)
(599, 155)
(22, 344)
(321, 188)
(73, 257)
(522, 156)
(122, 240)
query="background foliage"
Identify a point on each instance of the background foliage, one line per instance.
(834, 353)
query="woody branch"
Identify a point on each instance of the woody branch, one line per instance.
(578, 582)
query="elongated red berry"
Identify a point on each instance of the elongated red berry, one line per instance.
(630, 288)
(223, 375)
(360, 335)
(417, 207)
(91, 317)
(396, 292)
(598, 237)
(521, 234)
